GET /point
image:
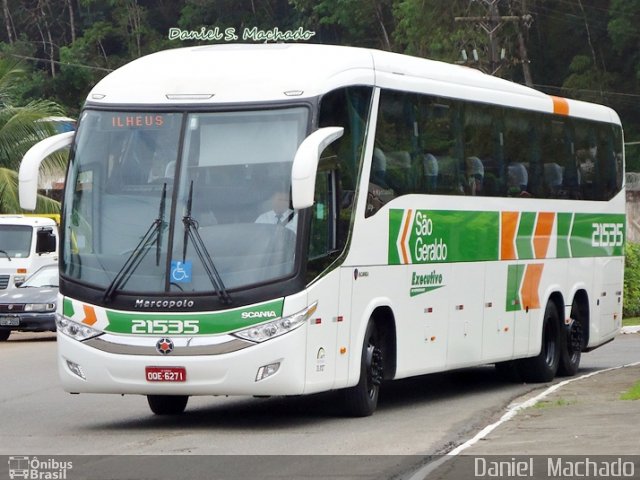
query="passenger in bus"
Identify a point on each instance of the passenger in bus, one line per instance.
(517, 180)
(475, 176)
(379, 169)
(553, 178)
(379, 190)
(430, 168)
(280, 213)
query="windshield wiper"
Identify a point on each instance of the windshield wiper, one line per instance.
(191, 232)
(2, 251)
(138, 253)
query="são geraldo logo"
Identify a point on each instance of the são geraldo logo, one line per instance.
(38, 469)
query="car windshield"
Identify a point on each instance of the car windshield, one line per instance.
(15, 240)
(159, 200)
(45, 277)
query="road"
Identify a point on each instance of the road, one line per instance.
(419, 416)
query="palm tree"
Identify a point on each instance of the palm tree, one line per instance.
(20, 128)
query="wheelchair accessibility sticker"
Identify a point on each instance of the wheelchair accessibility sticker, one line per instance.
(180, 271)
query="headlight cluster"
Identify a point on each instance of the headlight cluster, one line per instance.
(39, 307)
(77, 331)
(275, 328)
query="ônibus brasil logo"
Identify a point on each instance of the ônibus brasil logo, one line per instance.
(38, 469)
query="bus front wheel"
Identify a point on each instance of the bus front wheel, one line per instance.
(362, 399)
(543, 367)
(167, 404)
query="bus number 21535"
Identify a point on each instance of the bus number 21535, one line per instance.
(165, 327)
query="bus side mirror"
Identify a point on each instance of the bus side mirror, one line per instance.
(28, 174)
(305, 165)
(45, 241)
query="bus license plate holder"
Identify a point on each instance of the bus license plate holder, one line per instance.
(166, 374)
(9, 321)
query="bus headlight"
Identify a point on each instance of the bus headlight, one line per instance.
(77, 331)
(275, 328)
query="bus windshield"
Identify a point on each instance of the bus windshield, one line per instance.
(154, 201)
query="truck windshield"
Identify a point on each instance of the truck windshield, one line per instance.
(143, 188)
(15, 240)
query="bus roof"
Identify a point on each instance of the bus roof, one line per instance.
(230, 73)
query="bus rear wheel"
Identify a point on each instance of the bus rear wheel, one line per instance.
(167, 404)
(543, 367)
(571, 347)
(362, 399)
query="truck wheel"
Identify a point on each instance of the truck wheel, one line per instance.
(362, 399)
(167, 404)
(4, 334)
(543, 367)
(571, 346)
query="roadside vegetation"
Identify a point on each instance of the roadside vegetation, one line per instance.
(632, 394)
(631, 308)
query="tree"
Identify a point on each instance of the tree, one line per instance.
(20, 128)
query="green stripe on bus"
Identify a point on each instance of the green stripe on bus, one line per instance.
(515, 273)
(395, 226)
(67, 308)
(443, 236)
(525, 234)
(597, 235)
(562, 244)
(208, 323)
(439, 236)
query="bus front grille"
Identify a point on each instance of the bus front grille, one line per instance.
(4, 281)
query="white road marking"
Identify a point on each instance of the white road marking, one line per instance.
(511, 412)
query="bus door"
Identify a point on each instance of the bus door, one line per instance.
(328, 324)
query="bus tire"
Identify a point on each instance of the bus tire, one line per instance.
(571, 347)
(543, 367)
(167, 404)
(361, 400)
(4, 335)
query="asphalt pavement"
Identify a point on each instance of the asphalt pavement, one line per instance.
(579, 423)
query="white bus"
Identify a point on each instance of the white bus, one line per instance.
(434, 218)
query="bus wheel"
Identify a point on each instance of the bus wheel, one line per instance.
(571, 348)
(4, 334)
(543, 367)
(362, 399)
(167, 404)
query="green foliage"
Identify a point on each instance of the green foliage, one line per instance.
(631, 307)
(9, 196)
(632, 394)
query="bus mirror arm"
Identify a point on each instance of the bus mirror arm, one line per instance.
(30, 164)
(305, 165)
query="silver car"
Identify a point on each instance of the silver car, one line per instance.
(31, 307)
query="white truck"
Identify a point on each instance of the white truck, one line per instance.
(27, 243)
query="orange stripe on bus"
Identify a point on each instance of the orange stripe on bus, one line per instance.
(403, 240)
(89, 315)
(509, 222)
(542, 234)
(560, 105)
(530, 285)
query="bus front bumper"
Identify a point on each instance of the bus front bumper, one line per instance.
(86, 369)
